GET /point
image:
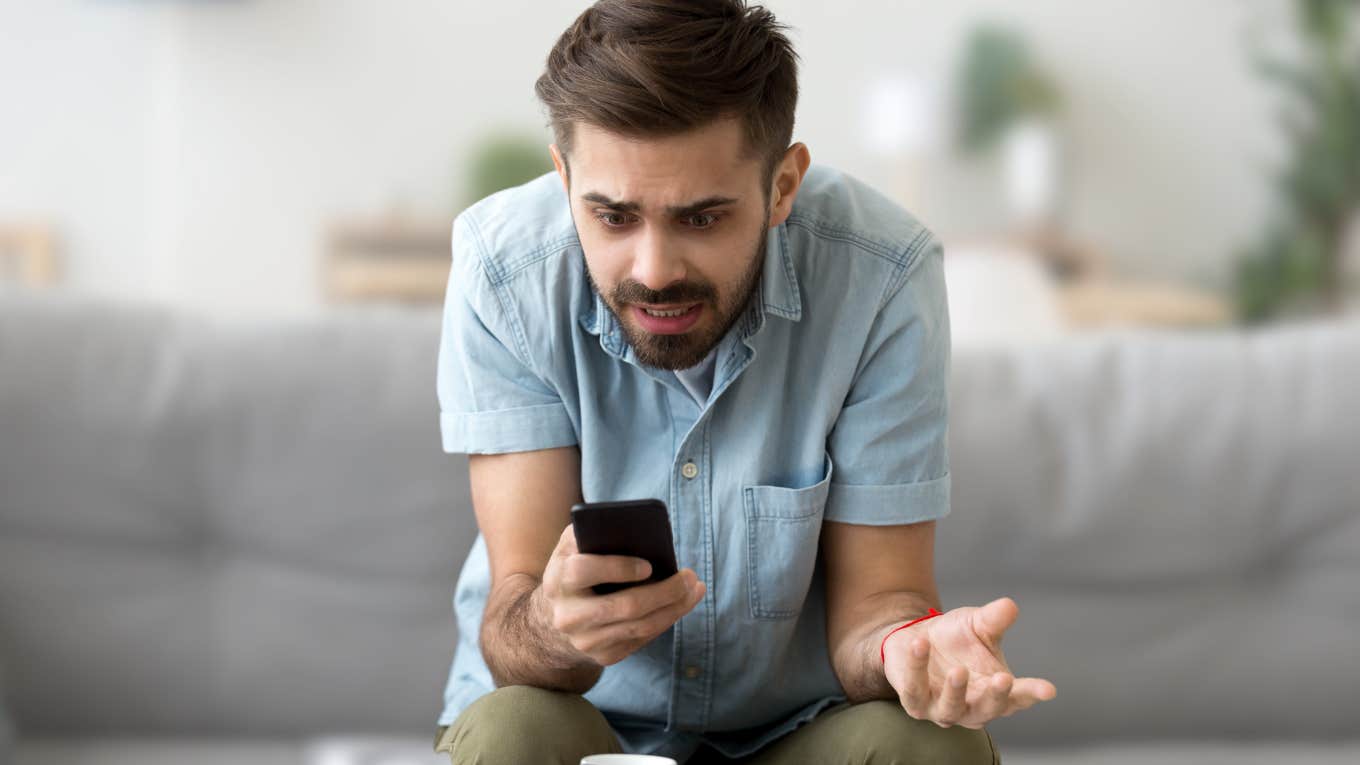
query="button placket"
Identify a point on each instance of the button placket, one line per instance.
(690, 700)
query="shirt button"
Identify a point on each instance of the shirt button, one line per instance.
(692, 672)
(689, 470)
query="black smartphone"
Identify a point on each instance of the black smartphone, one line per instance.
(637, 527)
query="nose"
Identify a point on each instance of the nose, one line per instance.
(656, 262)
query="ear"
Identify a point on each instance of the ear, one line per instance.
(561, 165)
(788, 177)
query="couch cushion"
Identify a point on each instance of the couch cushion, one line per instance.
(333, 750)
(223, 527)
(1177, 515)
(120, 751)
(1209, 752)
(417, 751)
(6, 731)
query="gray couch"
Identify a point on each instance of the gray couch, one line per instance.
(237, 541)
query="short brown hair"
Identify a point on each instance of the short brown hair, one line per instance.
(646, 68)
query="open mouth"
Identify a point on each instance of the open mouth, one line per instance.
(671, 321)
(669, 313)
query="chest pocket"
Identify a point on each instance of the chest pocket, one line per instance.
(783, 527)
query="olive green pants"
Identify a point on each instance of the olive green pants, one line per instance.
(519, 724)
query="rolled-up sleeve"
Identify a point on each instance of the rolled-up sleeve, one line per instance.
(890, 442)
(491, 399)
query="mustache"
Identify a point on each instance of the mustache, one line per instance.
(635, 292)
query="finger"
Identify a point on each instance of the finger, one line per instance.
(612, 643)
(676, 587)
(950, 706)
(582, 570)
(1035, 689)
(915, 695)
(608, 644)
(566, 543)
(1018, 704)
(666, 616)
(1027, 692)
(676, 591)
(994, 699)
(591, 611)
(992, 620)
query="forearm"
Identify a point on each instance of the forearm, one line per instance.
(521, 647)
(855, 657)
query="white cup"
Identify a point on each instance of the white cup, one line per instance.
(626, 760)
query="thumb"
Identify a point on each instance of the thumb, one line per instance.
(992, 620)
(566, 544)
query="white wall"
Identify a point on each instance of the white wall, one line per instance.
(1168, 128)
(76, 120)
(195, 151)
(299, 113)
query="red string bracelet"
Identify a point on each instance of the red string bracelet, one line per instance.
(882, 648)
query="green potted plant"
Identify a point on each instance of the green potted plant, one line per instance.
(501, 160)
(1007, 100)
(1297, 267)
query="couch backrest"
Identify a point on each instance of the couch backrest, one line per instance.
(1178, 517)
(223, 528)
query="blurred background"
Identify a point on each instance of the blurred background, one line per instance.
(240, 156)
(224, 244)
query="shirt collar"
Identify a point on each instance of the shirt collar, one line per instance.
(776, 292)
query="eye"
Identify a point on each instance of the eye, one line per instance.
(612, 219)
(702, 220)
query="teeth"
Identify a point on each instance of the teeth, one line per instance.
(679, 312)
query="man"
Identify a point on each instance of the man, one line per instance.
(687, 310)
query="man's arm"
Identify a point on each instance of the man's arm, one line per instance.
(523, 501)
(877, 578)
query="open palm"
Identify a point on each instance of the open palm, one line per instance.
(950, 669)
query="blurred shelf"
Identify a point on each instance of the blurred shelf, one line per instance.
(1103, 302)
(1087, 292)
(1063, 256)
(28, 254)
(388, 259)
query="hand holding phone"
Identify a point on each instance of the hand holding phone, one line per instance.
(609, 627)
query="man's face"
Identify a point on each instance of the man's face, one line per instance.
(670, 225)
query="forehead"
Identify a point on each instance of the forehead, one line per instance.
(656, 172)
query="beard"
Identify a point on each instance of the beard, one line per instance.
(684, 350)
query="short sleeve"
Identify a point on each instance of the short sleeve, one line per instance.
(890, 443)
(491, 400)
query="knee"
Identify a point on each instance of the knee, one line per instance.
(885, 734)
(523, 705)
(519, 723)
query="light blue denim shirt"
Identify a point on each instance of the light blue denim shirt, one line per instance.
(829, 402)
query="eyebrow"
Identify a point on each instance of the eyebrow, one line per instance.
(676, 210)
